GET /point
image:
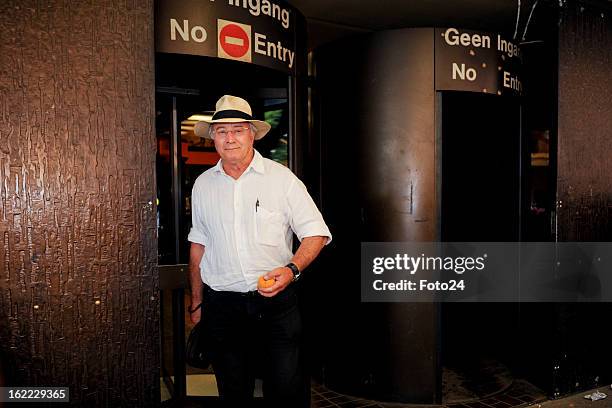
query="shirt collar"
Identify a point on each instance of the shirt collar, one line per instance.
(257, 164)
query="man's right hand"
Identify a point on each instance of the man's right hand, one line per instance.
(196, 252)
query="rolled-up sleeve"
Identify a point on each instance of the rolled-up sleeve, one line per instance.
(304, 216)
(198, 230)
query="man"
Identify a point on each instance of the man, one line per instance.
(244, 213)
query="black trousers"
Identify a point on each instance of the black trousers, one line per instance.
(254, 336)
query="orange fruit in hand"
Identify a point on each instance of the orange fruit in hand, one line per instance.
(262, 283)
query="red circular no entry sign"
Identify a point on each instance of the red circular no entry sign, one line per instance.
(234, 40)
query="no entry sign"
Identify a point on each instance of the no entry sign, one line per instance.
(269, 33)
(234, 40)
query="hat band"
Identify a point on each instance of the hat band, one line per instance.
(225, 114)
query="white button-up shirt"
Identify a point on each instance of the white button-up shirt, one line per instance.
(247, 225)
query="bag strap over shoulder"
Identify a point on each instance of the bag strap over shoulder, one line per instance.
(192, 311)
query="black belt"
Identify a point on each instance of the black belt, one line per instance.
(211, 291)
(249, 295)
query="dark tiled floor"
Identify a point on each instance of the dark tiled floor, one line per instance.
(475, 380)
(519, 394)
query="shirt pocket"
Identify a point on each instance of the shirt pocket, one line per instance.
(268, 227)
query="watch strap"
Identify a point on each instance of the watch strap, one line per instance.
(294, 269)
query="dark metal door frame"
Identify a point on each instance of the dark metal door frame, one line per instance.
(173, 277)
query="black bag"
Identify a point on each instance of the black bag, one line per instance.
(197, 353)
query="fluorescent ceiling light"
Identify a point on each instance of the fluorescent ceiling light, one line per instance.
(199, 117)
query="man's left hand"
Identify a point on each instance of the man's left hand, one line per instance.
(282, 276)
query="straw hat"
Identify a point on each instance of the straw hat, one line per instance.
(231, 109)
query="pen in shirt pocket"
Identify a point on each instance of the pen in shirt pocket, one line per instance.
(256, 204)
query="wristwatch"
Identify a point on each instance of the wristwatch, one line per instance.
(295, 270)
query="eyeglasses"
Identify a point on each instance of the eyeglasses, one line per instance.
(236, 131)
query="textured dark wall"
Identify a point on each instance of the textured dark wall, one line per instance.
(78, 282)
(584, 183)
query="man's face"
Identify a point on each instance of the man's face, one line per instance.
(233, 141)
